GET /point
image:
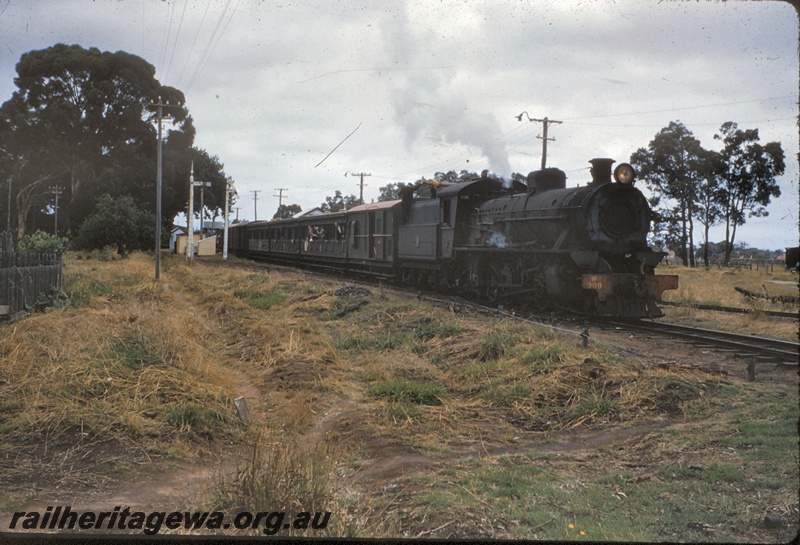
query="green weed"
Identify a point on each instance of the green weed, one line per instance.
(409, 391)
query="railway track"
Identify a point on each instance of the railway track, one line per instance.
(785, 353)
(732, 310)
(760, 348)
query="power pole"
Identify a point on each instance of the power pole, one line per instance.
(280, 191)
(159, 117)
(545, 121)
(255, 193)
(361, 184)
(228, 190)
(56, 191)
(10, 179)
(202, 221)
(190, 222)
(8, 218)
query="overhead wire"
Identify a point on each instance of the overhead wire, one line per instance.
(219, 37)
(205, 53)
(166, 39)
(517, 136)
(194, 42)
(680, 109)
(177, 36)
(143, 27)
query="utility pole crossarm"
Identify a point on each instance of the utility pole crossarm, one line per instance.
(280, 191)
(545, 122)
(255, 193)
(361, 183)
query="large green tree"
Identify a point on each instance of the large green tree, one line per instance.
(117, 222)
(710, 195)
(287, 211)
(339, 202)
(673, 166)
(747, 177)
(77, 121)
(207, 168)
(391, 192)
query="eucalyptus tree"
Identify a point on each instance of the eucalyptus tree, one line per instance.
(77, 121)
(747, 177)
(339, 202)
(207, 168)
(710, 195)
(287, 211)
(673, 166)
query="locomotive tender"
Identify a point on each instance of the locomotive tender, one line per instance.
(540, 244)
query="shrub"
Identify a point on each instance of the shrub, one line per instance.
(41, 242)
(117, 222)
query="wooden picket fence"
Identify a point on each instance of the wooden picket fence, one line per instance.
(26, 276)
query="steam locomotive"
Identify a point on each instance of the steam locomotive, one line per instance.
(539, 244)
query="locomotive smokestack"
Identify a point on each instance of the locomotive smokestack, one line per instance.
(601, 170)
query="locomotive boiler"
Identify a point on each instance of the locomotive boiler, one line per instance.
(584, 247)
(539, 244)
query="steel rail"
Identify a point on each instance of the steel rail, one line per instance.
(733, 310)
(786, 352)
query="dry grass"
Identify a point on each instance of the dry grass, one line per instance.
(333, 383)
(130, 362)
(715, 286)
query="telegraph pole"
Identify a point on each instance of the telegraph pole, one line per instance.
(190, 217)
(159, 117)
(8, 218)
(545, 122)
(361, 184)
(228, 189)
(56, 191)
(255, 193)
(280, 191)
(202, 207)
(10, 178)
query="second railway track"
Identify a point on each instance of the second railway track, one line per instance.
(764, 349)
(733, 310)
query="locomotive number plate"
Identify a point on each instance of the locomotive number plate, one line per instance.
(603, 284)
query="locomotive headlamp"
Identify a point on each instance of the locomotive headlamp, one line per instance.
(624, 174)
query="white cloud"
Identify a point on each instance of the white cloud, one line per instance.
(437, 84)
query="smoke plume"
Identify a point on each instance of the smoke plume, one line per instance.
(433, 103)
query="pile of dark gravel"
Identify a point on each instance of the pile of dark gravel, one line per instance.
(351, 291)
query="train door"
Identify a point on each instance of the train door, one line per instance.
(391, 234)
(358, 233)
(372, 234)
(377, 250)
(447, 229)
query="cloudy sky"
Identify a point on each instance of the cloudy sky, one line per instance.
(408, 88)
